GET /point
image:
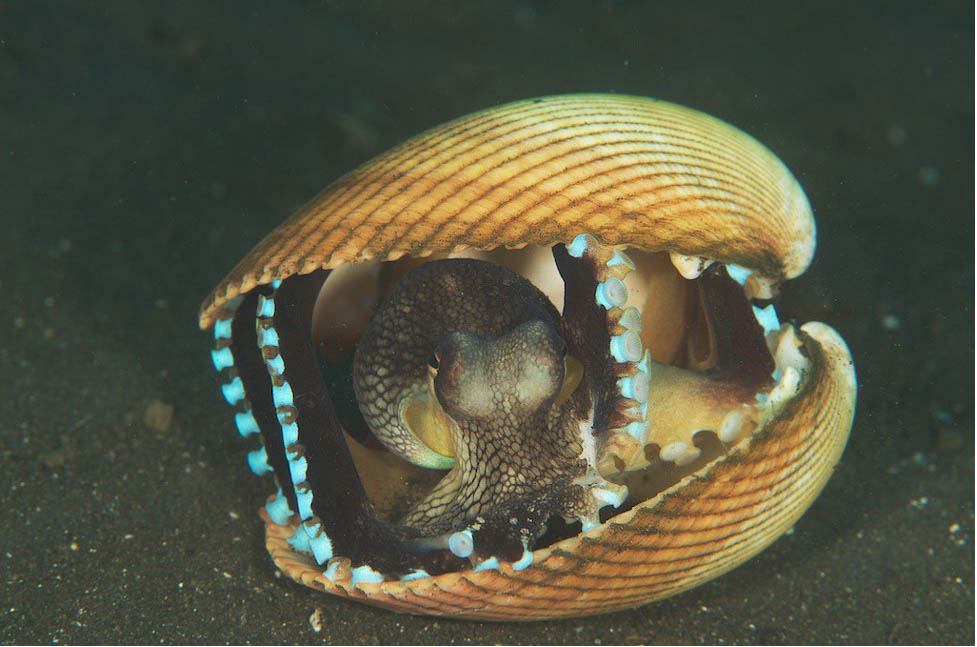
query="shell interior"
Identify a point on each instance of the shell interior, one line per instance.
(693, 369)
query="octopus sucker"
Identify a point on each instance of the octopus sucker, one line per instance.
(460, 392)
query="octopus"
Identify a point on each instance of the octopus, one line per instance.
(468, 365)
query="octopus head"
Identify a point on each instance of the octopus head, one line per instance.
(513, 376)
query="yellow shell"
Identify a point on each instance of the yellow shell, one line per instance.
(634, 173)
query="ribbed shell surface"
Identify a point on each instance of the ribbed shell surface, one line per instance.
(630, 171)
(627, 170)
(698, 529)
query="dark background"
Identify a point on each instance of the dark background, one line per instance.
(145, 147)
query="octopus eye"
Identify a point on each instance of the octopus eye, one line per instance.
(434, 361)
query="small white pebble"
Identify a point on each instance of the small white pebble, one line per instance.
(315, 620)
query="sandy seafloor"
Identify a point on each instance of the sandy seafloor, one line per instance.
(145, 147)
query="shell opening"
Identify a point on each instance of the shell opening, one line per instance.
(671, 371)
(716, 370)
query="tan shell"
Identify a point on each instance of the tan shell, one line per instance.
(630, 171)
(627, 170)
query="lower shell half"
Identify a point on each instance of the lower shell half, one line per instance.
(526, 365)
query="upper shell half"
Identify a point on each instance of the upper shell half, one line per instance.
(696, 427)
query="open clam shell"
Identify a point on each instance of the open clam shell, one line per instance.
(721, 424)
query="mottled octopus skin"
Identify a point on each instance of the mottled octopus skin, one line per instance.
(394, 351)
(632, 172)
(461, 304)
